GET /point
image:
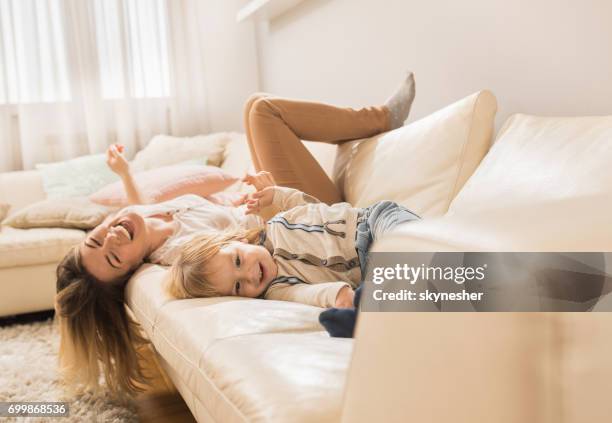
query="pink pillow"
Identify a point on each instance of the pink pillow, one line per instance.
(165, 183)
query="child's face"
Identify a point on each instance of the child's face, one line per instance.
(242, 269)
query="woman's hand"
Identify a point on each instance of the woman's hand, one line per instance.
(116, 161)
(345, 298)
(260, 200)
(260, 180)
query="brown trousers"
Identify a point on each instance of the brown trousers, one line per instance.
(275, 127)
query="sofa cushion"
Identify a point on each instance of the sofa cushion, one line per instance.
(537, 160)
(244, 359)
(422, 165)
(25, 247)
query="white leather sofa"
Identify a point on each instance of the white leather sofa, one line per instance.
(237, 360)
(28, 257)
(253, 360)
(545, 185)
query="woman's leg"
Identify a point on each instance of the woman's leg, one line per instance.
(275, 127)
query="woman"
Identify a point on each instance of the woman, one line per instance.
(96, 329)
(91, 278)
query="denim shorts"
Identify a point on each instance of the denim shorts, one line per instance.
(373, 222)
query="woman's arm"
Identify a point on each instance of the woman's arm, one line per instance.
(118, 164)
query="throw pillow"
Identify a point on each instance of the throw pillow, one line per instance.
(422, 165)
(165, 150)
(78, 213)
(168, 182)
(76, 177)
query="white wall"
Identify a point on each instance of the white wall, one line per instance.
(230, 61)
(549, 57)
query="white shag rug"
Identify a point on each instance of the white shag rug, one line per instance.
(29, 372)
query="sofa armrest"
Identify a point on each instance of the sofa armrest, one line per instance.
(503, 367)
(21, 188)
(568, 224)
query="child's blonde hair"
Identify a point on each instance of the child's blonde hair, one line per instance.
(189, 275)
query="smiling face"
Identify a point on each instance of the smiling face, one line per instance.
(241, 269)
(115, 246)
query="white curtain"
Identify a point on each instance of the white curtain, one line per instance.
(78, 75)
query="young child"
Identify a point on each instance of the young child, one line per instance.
(309, 252)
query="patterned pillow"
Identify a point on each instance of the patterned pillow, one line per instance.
(78, 213)
(76, 177)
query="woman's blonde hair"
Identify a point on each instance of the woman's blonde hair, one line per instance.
(96, 330)
(189, 275)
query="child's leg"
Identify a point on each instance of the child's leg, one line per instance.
(378, 219)
(386, 215)
(276, 126)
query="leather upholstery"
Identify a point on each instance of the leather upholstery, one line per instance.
(261, 360)
(546, 185)
(243, 359)
(27, 247)
(421, 165)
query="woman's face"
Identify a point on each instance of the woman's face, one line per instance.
(115, 246)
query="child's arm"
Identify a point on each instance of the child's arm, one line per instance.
(329, 294)
(277, 199)
(118, 164)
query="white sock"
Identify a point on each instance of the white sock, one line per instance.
(400, 102)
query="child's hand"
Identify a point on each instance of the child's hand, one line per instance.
(240, 200)
(345, 298)
(260, 180)
(116, 161)
(260, 200)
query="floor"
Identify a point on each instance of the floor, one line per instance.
(159, 403)
(163, 407)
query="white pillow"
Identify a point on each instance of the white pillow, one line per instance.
(165, 150)
(77, 177)
(542, 160)
(422, 165)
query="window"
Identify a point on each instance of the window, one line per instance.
(131, 42)
(32, 54)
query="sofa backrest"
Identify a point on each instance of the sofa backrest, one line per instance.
(539, 160)
(21, 188)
